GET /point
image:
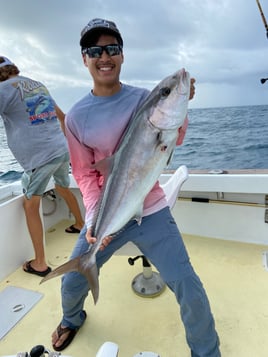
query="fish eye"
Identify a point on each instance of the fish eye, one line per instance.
(165, 91)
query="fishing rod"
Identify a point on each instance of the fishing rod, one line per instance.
(263, 17)
(263, 80)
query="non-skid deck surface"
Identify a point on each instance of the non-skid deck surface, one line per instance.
(233, 276)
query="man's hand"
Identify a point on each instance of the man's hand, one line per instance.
(192, 89)
(92, 240)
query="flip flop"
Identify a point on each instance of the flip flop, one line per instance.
(72, 229)
(62, 330)
(29, 269)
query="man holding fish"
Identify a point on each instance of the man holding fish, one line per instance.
(120, 138)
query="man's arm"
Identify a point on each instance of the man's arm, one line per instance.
(61, 117)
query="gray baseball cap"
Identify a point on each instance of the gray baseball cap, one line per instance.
(97, 27)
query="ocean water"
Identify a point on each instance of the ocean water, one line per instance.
(225, 138)
(216, 139)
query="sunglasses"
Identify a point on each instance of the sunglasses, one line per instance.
(97, 51)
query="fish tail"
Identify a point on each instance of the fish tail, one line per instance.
(72, 265)
(80, 265)
(92, 276)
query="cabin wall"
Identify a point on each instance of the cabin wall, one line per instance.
(15, 242)
(241, 220)
(229, 221)
(235, 208)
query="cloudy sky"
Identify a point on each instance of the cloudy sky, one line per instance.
(222, 43)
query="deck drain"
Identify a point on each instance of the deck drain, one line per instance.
(18, 307)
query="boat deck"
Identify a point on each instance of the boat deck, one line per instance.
(232, 273)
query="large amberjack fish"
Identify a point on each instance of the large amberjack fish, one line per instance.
(143, 152)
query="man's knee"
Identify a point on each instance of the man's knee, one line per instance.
(31, 204)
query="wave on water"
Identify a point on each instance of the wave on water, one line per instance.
(10, 176)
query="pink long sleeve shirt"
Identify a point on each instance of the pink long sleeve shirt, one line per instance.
(94, 126)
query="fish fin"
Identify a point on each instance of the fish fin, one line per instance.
(104, 166)
(72, 265)
(92, 276)
(84, 264)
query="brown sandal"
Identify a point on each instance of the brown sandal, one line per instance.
(29, 269)
(61, 331)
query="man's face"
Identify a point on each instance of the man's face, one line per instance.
(105, 70)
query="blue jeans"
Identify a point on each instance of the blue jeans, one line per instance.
(160, 241)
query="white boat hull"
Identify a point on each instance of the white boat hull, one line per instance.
(224, 206)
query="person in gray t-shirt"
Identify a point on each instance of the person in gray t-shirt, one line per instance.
(34, 127)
